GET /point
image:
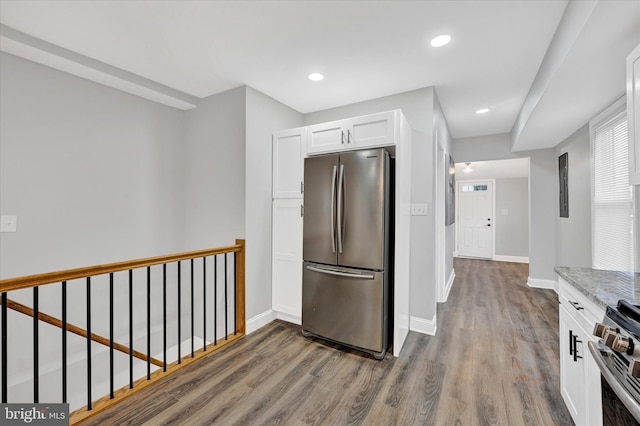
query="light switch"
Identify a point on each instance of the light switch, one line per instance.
(8, 223)
(418, 209)
(505, 212)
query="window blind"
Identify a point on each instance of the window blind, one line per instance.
(612, 200)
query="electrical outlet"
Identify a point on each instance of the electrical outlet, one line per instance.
(8, 223)
(418, 209)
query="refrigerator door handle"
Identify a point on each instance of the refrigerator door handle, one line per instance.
(340, 207)
(333, 217)
(362, 276)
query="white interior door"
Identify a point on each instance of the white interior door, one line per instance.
(475, 219)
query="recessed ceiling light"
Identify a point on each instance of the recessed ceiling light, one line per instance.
(482, 111)
(315, 76)
(441, 40)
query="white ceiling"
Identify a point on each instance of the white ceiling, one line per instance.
(498, 169)
(176, 52)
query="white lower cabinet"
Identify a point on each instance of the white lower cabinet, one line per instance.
(579, 374)
(286, 268)
(573, 346)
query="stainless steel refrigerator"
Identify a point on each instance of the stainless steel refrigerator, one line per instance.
(345, 279)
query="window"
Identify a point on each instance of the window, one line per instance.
(612, 196)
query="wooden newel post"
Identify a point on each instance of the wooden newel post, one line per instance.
(240, 287)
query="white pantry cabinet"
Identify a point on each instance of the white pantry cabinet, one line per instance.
(286, 286)
(288, 162)
(579, 374)
(367, 131)
(633, 114)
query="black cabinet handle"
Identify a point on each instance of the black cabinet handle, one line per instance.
(570, 342)
(576, 305)
(575, 348)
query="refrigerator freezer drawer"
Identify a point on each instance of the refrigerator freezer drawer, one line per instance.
(346, 305)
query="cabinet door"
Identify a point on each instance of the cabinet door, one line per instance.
(367, 131)
(572, 379)
(326, 137)
(633, 114)
(371, 130)
(288, 157)
(287, 259)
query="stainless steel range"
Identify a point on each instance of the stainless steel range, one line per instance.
(617, 354)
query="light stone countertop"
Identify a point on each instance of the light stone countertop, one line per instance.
(603, 287)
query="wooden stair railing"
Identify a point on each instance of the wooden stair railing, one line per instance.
(166, 369)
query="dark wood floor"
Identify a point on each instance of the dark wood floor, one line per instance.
(494, 360)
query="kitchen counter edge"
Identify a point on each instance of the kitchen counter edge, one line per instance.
(603, 287)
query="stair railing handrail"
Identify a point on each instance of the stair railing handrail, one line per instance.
(29, 281)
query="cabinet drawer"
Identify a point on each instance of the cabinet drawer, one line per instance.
(580, 307)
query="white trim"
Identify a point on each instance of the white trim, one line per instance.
(515, 259)
(424, 326)
(447, 288)
(294, 319)
(540, 283)
(260, 321)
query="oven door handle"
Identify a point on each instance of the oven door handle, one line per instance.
(631, 404)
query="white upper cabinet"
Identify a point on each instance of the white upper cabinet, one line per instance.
(633, 114)
(288, 163)
(368, 131)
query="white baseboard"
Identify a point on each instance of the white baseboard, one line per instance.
(424, 326)
(260, 321)
(447, 289)
(539, 283)
(515, 259)
(294, 319)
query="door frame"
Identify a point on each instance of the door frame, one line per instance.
(440, 260)
(493, 212)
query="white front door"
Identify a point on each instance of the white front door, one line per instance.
(475, 219)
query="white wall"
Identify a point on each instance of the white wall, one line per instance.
(211, 176)
(573, 234)
(512, 228)
(264, 116)
(88, 170)
(418, 108)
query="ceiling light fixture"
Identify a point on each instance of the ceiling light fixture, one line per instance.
(315, 76)
(441, 40)
(482, 111)
(468, 168)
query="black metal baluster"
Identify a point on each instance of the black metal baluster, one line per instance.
(130, 328)
(111, 372)
(36, 372)
(226, 313)
(164, 317)
(64, 342)
(192, 335)
(179, 315)
(148, 322)
(89, 343)
(204, 304)
(215, 299)
(235, 293)
(5, 381)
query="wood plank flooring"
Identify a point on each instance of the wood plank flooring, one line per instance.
(494, 360)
